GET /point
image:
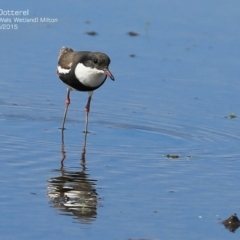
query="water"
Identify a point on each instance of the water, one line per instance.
(175, 97)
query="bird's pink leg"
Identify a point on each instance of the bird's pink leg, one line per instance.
(66, 108)
(88, 104)
(87, 111)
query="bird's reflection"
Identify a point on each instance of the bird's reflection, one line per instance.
(83, 159)
(72, 191)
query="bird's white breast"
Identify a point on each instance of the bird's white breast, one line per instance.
(91, 77)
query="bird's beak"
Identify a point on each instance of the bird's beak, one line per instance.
(109, 74)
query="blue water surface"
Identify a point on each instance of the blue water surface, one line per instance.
(161, 160)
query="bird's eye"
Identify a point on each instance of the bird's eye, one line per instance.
(95, 61)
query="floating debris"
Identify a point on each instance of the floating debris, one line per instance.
(232, 223)
(92, 33)
(132, 34)
(172, 156)
(232, 115)
(132, 55)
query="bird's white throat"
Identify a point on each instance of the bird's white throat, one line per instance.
(91, 77)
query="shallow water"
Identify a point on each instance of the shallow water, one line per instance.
(174, 98)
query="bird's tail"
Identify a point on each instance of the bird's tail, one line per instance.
(63, 51)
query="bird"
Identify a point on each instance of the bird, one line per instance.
(83, 71)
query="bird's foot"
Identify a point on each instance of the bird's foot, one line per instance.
(86, 132)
